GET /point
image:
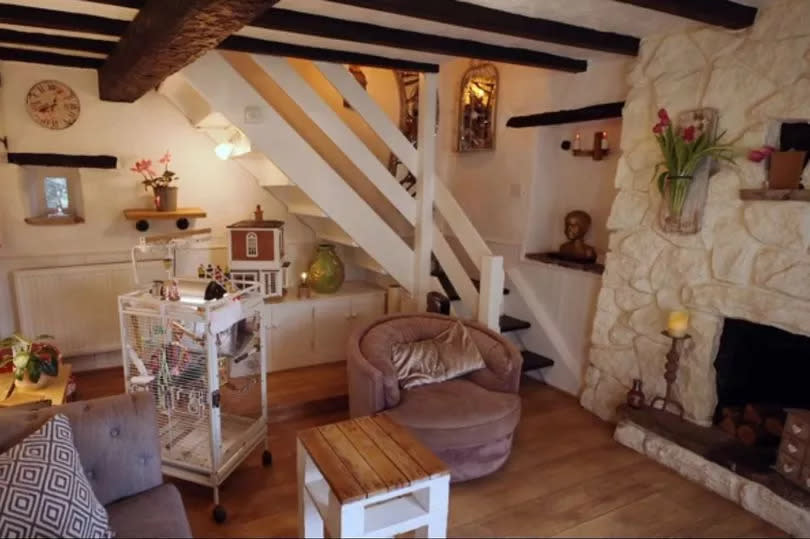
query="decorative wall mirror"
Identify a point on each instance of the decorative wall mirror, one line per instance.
(476, 112)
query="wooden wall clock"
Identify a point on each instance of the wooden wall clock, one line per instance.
(52, 104)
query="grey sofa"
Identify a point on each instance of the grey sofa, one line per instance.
(469, 421)
(117, 440)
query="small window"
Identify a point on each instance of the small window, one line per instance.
(252, 245)
(57, 197)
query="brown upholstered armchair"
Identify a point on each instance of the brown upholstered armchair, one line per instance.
(468, 421)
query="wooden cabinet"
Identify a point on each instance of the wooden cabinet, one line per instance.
(315, 330)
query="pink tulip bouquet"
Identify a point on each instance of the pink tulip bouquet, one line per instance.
(683, 150)
(150, 178)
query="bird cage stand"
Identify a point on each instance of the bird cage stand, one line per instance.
(204, 362)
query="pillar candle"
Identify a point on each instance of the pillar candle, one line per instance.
(678, 323)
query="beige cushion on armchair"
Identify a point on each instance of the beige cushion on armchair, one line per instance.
(450, 354)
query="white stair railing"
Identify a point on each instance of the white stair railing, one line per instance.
(429, 187)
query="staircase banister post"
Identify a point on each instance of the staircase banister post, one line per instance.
(490, 296)
(425, 192)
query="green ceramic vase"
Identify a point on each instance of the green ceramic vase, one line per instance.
(326, 272)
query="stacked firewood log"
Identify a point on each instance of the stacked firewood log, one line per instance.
(754, 424)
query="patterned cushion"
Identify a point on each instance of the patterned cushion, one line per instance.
(43, 489)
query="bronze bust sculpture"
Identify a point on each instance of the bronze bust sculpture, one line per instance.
(577, 224)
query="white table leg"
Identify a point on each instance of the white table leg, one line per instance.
(310, 523)
(434, 499)
(345, 520)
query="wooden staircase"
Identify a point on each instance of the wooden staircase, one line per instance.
(305, 155)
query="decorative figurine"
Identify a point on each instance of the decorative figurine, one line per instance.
(201, 271)
(173, 294)
(209, 272)
(577, 224)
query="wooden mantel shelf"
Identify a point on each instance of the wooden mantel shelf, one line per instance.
(775, 194)
(45, 220)
(137, 214)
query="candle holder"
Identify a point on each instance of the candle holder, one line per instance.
(303, 291)
(677, 350)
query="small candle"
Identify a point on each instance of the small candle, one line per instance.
(577, 142)
(604, 140)
(304, 278)
(678, 323)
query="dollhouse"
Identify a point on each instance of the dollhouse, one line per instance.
(256, 253)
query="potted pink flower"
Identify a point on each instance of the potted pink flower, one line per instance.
(683, 149)
(34, 362)
(165, 194)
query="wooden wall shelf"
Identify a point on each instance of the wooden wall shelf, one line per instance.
(775, 195)
(63, 160)
(45, 220)
(140, 213)
(142, 216)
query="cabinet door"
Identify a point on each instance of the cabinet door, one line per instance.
(291, 336)
(365, 309)
(331, 328)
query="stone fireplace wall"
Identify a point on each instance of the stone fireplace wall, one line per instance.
(750, 260)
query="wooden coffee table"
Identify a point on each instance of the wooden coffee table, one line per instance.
(54, 392)
(369, 477)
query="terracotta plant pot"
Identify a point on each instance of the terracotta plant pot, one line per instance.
(785, 171)
(165, 198)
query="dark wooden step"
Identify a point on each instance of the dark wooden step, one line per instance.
(532, 361)
(450, 291)
(510, 323)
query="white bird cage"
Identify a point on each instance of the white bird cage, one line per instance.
(201, 361)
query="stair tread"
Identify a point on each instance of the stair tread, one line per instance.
(532, 361)
(450, 292)
(510, 323)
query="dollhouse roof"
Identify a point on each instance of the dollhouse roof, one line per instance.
(257, 224)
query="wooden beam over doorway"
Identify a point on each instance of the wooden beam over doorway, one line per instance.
(167, 35)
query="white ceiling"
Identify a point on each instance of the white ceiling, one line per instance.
(605, 15)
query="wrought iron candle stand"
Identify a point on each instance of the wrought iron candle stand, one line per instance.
(677, 350)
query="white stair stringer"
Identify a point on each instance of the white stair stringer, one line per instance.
(565, 374)
(228, 93)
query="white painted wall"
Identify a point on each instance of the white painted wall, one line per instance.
(518, 194)
(129, 131)
(564, 183)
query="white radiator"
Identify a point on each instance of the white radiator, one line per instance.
(78, 305)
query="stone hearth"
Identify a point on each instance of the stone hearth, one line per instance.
(687, 449)
(750, 261)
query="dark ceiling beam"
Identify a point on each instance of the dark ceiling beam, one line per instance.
(50, 58)
(261, 46)
(55, 41)
(716, 12)
(585, 114)
(502, 22)
(136, 4)
(167, 35)
(60, 20)
(317, 25)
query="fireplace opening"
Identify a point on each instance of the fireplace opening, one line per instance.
(761, 372)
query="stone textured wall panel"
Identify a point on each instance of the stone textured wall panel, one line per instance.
(750, 259)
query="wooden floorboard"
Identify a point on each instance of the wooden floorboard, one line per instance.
(566, 477)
